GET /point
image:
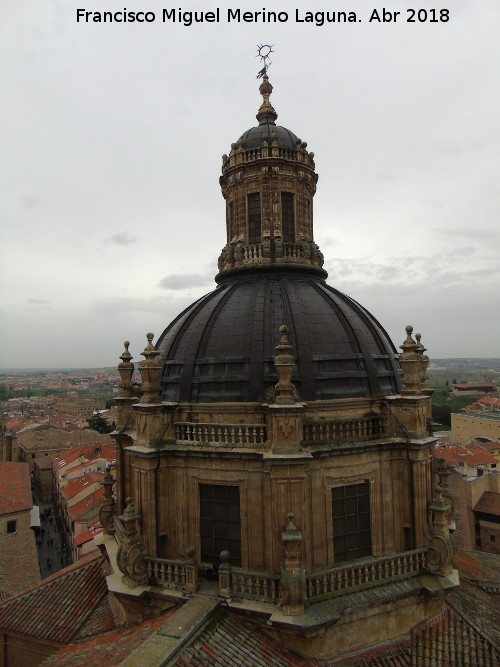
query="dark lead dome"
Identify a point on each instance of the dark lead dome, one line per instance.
(222, 347)
(255, 137)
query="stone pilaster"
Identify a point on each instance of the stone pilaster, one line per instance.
(293, 578)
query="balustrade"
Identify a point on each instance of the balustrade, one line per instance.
(254, 586)
(362, 428)
(166, 573)
(220, 434)
(367, 574)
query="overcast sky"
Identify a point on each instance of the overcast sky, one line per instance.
(111, 143)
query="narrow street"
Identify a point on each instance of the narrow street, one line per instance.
(51, 550)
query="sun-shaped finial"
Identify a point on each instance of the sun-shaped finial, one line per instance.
(263, 52)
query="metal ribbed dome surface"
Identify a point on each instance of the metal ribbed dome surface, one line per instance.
(222, 347)
(254, 137)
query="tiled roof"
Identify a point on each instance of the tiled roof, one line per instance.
(490, 400)
(57, 608)
(101, 449)
(475, 385)
(78, 484)
(489, 503)
(228, 640)
(105, 650)
(397, 655)
(87, 536)
(91, 502)
(451, 640)
(489, 446)
(15, 487)
(473, 455)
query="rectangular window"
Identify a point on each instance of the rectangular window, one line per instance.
(287, 217)
(11, 526)
(351, 522)
(254, 218)
(230, 221)
(220, 523)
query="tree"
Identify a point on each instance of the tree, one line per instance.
(99, 424)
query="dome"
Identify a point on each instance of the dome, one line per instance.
(256, 137)
(222, 347)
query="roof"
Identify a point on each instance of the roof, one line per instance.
(80, 483)
(53, 438)
(108, 649)
(87, 536)
(488, 503)
(57, 608)
(229, 640)
(90, 452)
(90, 503)
(15, 487)
(222, 347)
(472, 455)
(474, 385)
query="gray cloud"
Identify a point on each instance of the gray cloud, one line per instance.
(178, 281)
(38, 302)
(122, 238)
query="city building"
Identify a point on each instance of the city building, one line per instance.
(467, 427)
(18, 555)
(473, 388)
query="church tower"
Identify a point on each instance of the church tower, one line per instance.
(276, 454)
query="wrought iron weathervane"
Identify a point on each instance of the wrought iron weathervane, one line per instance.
(263, 52)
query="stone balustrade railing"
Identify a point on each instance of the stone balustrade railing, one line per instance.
(363, 428)
(253, 586)
(243, 156)
(220, 434)
(172, 574)
(252, 252)
(119, 530)
(367, 574)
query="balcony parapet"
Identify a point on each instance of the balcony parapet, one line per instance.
(243, 435)
(172, 574)
(363, 428)
(365, 574)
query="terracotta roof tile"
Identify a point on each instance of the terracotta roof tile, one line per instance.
(90, 503)
(108, 649)
(15, 487)
(57, 607)
(489, 503)
(228, 640)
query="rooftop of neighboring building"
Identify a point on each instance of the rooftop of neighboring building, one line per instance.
(79, 484)
(488, 503)
(54, 438)
(471, 456)
(81, 454)
(475, 385)
(91, 502)
(70, 604)
(15, 487)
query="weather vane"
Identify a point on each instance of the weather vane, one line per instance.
(263, 52)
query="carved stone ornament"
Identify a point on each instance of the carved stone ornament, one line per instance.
(130, 555)
(150, 370)
(108, 507)
(126, 370)
(284, 364)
